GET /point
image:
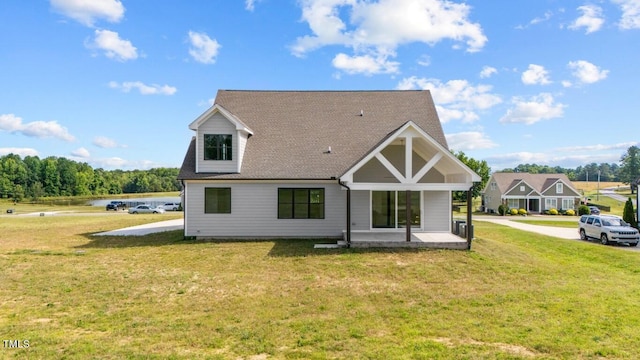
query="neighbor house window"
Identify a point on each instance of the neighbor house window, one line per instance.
(217, 200)
(567, 204)
(550, 203)
(522, 188)
(513, 203)
(493, 186)
(217, 147)
(294, 203)
(559, 188)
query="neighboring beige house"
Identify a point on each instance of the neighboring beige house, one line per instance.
(532, 192)
(266, 164)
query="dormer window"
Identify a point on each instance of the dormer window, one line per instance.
(217, 147)
(559, 188)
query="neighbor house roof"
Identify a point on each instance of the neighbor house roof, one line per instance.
(539, 182)
(292, 130)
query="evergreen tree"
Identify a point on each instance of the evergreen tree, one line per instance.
(629, 215)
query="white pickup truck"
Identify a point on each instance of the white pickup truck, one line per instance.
(607, 228)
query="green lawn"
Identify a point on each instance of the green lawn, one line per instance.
(515, 295)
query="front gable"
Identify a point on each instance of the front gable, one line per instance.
(559, 188)
(410, 159)
(220, 129)
(519, 188)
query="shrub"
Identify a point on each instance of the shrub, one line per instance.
(522, 212)
(584, 210)
(513, 211)
(570, 212)
(502, 209)
(553, 212)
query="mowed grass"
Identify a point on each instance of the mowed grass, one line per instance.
(515, 295)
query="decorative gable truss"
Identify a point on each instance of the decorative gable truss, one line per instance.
(219, 121)
(412, 160)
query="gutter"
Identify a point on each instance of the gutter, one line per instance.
(348, 212)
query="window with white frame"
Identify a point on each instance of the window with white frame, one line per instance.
(567, 204)
(559, 188)
(550, 203)
(513, 203)
(493, 186)
(521, 188)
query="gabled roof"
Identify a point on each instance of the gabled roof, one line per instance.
(539, 182)
(292, 130)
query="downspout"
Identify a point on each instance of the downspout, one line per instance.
(183, 200)
(348, 212)
(469, 210)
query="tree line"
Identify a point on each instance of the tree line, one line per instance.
(33, 178)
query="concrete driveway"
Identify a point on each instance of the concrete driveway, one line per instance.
(560, 232)
(145, 229)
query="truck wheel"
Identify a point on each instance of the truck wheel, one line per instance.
(583, 235)
(604, 239)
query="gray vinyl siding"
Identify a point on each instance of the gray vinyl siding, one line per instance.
(437, 211)
(217, 124)
(360, 210)
(254, 212)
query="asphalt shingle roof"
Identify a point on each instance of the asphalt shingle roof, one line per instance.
(294, 129)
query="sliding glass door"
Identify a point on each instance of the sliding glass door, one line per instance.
(389, 209)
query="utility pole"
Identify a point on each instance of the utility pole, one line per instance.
(598, 193)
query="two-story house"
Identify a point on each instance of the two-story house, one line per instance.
(278, 164)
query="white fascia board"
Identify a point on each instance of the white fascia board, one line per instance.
(401, 187)
(240, 126)
(348, 175)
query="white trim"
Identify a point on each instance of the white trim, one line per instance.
(240, 126)
(408, 158)
(473, 177)
(422, 172)
(389, 166)
(415, 187)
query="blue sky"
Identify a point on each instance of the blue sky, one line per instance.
(115, 83)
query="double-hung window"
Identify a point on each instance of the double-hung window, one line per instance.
(217, 200)
(218, 147)
(296, 203)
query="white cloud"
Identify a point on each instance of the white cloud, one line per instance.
(250, 5)
(18, 151)
(39, 129)
(630, 14)
(470, 140)
(365, 64)
(120, 163)
(586, 72)
(510, 160)
(536, 74)
(105, 142)
(81, 153)
(540, 107)
(144, 89)
(424, 60)
(378, 28)
(488, 71)
(456, 99)
(87, 12)
(599, 147)
(113, 46)
(591, 19)
(203, 48)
